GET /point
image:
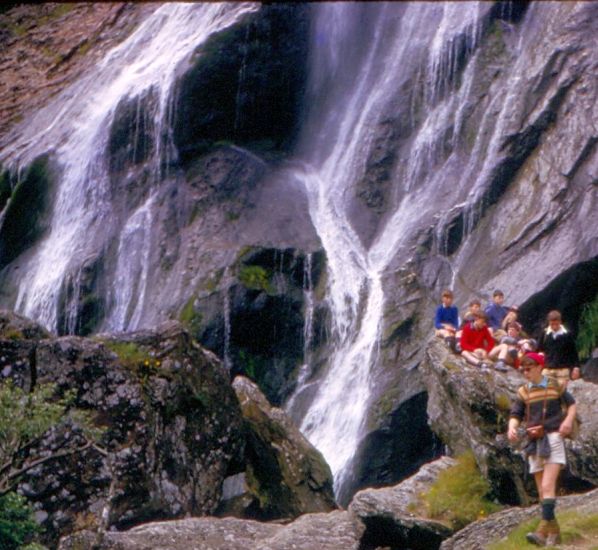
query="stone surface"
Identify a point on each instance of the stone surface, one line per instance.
(478, 535)
(285, 474)
(323, 531)
(173, 428)
(469, 409)
(44, 47)
(388, 517)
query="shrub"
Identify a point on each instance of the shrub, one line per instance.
(25, 418)
(136, 359)
(587, 336)
(459, 495)
(255, 277)
(17, 525)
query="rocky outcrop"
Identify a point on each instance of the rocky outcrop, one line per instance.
(172, 426)
(285, 475)
(323, 531)
(388, 514)
(480, 534)
(42, 48)
(469, 409)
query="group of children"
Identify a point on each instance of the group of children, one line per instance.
(493, 338)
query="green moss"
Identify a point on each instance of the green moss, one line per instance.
(578, 529)
(587, 335)
(13, 334)
(136, 359)
(189, 316)
(232, 216)
(450, 365)
(502, 401)
(255, 277)
(459, 495)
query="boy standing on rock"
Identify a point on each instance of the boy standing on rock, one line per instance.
(539, 403)
(558, 344)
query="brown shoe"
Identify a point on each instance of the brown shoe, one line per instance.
(553, 533)
(540, 535)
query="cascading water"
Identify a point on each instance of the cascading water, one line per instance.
(77, 130)
(397, 43)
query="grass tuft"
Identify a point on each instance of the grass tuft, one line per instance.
(459, 495)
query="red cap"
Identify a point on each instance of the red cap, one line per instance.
(538, 358)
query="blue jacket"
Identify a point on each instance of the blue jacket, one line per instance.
(495, 314)
(446, 315)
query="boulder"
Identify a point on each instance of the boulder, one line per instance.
(469, 409)
(478, 535)
(388, 512)
(285, 475)
(172, 429)
(322, 531)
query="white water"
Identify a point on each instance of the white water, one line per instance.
(76, 127)
(335, 420)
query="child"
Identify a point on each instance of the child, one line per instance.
(477, 342)
(446, 319)
(496, 312)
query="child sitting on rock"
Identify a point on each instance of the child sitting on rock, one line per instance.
(507, 351)
(446, 319)
(477, 342)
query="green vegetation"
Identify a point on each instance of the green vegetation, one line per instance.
(17, 525)
(459, 495)
(25, 418)
(253, 366)
(134, 358)
(189, 317)
(577, 529)
(255, 277)
(587, 336)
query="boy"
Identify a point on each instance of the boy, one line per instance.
(506, 351)
(476, 341)
(558, 345)
(539, 402)
(446, 319)
(496, 312)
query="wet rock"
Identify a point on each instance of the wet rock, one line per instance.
(480, 534)
(388, 516)
(246, 84)
(285, 474)
(28, 211)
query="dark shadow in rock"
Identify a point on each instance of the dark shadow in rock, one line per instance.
(568, 293)
(395, 451)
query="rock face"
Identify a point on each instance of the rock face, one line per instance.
(386, 512)
(58, 41)
(326, 531)
(500, 161)
(285, 475)
(480, 534)
(172, 425)
(469, 410)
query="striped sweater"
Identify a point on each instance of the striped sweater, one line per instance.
(554, 394)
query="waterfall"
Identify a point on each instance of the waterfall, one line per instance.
(75, 127)
(397, 42)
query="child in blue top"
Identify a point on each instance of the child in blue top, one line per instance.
(446, 319)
